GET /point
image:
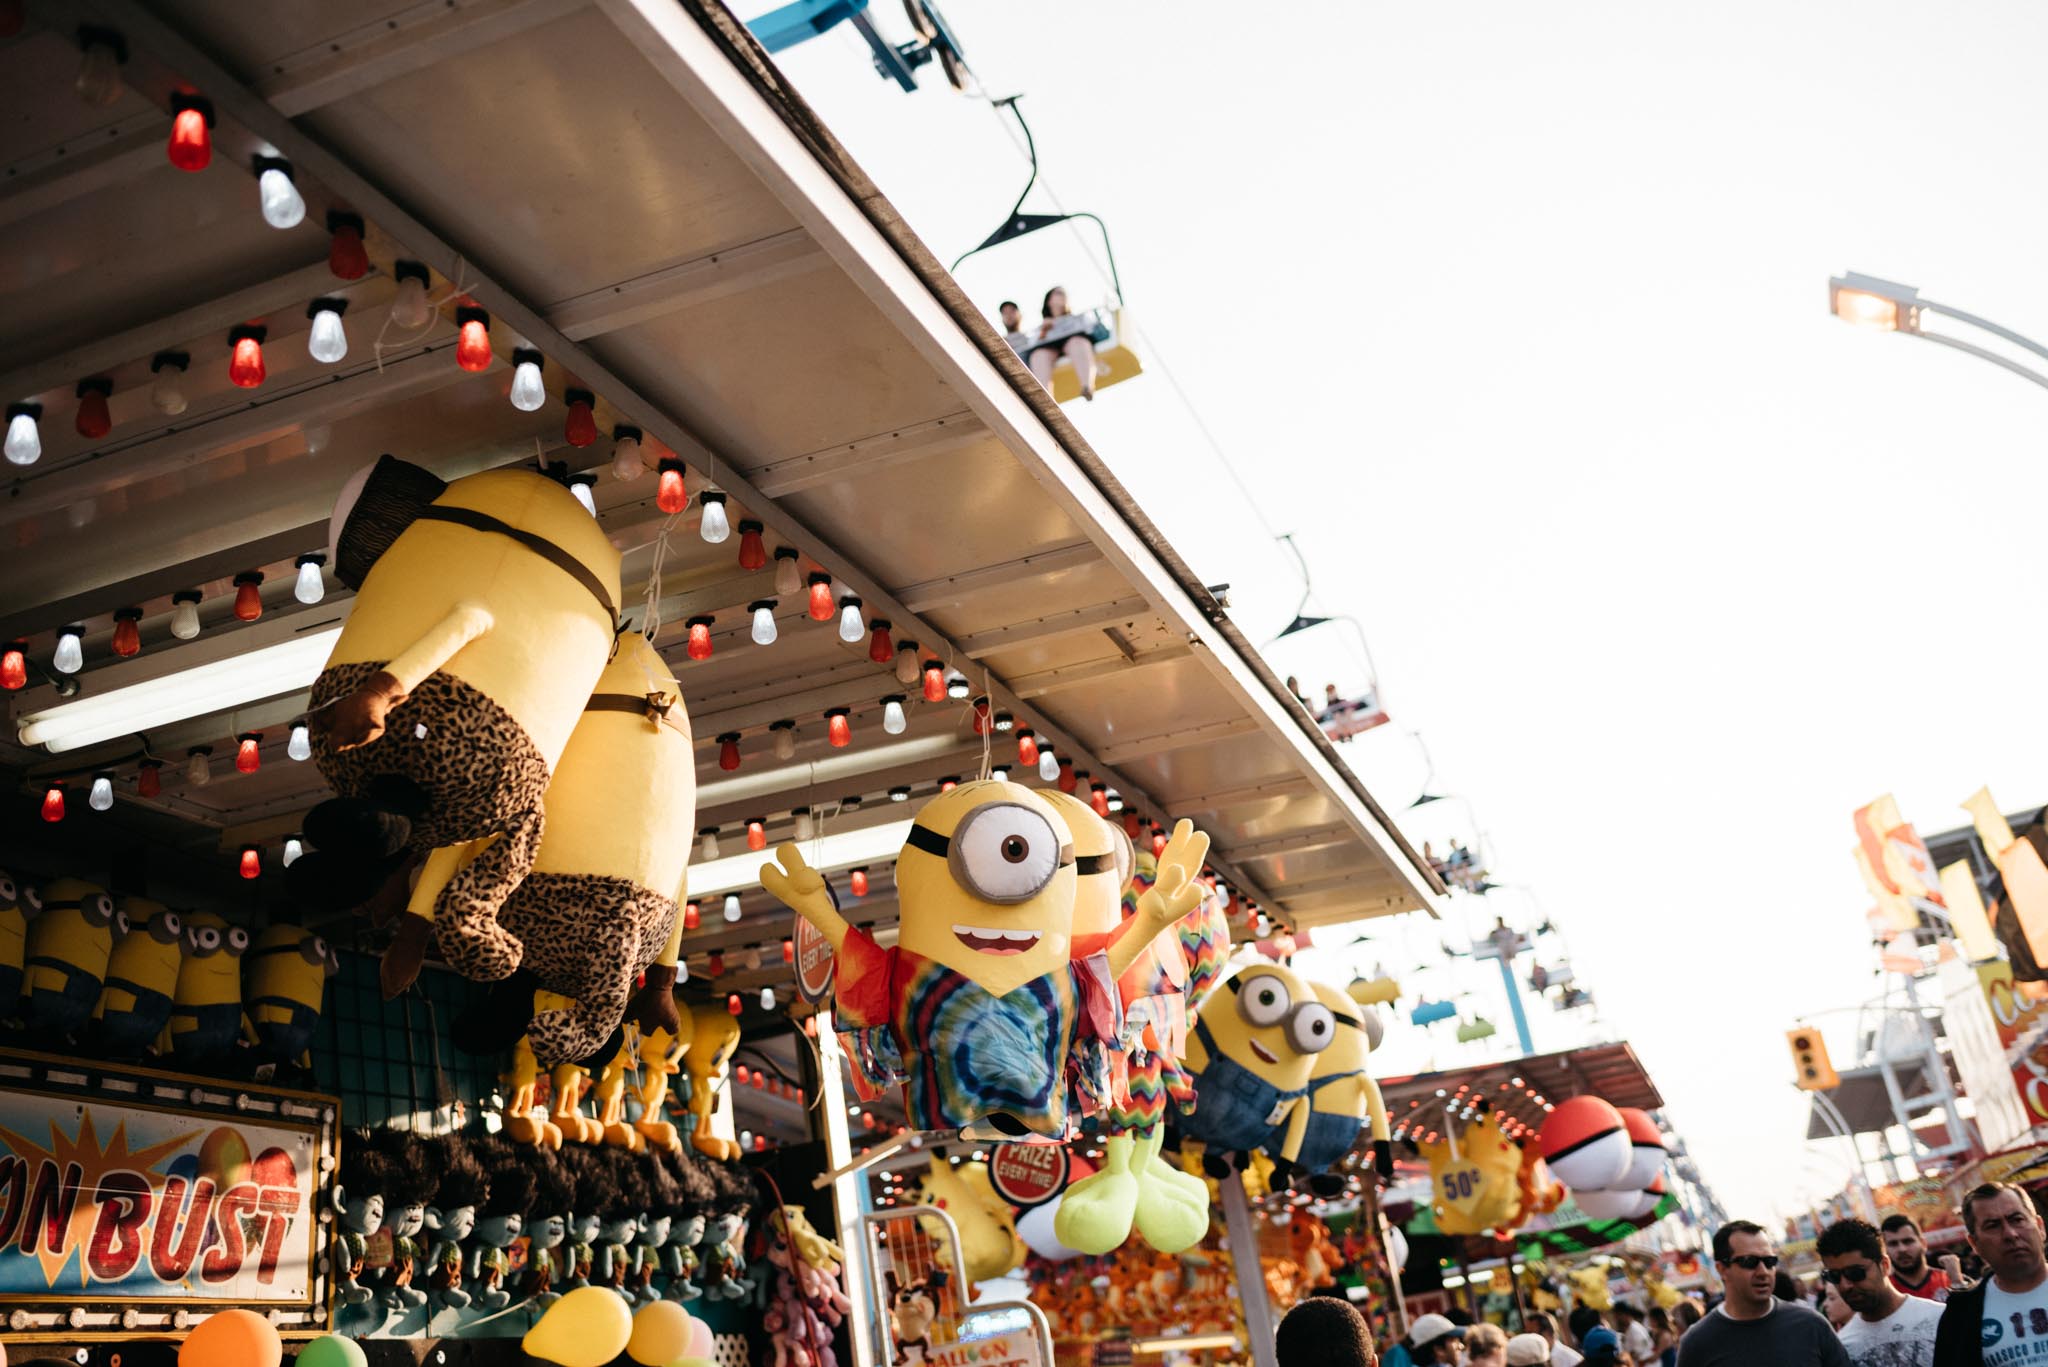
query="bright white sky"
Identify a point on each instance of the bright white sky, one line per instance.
(1517, 316)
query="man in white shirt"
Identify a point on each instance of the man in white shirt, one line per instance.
(2002, 1321)
(1635, 1338)
(1891, 1329)
(1538, 1322)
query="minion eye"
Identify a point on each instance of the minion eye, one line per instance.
(98, 910)
(171, 926)
(238, 940)
(1004, 852)
(1311, 1028)
(6, 888)
(206, 939)
(32, 899)
(121, 926)
(1264, 1001)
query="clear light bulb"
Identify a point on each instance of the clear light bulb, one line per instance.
(785, 742)
(282, 205)
(732, 906)
(581, 487)
(99, 74)
(764, 623)
(627, 460)
(806, 826)
(893, 720)
(198, 772)
(70, 654)
(767, 1004)
(714, 526)
(326, 342)
(168, 392)
(300, 747)
(707, 843)
(852, 629)
(24, 445)
(788, 579)
(409, 306)
(907, 669)
(309, 587)
(185, 615)
(528, 393)
(292, 849)
(1048, 764)
(102, 796)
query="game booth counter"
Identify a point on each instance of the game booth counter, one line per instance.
(479, 480)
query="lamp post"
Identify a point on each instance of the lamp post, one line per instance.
(1888, 306)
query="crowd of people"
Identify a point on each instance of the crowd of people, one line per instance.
(1880, 1302)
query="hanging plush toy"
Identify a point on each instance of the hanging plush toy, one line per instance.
(19, 903)
(415, 1173)
(206, 1008)
(1341, 1097)
(980, 992)
(657, 1224)
(599, 905)
(913, 1309)
(695, 1192)
(284, 980)
(619, 1220)
(68, 946)
(714, 1038)
(594, 1188)
(571, 1084)
(547, 1226)
(1476, 1177)
(463, 1187)
(661, 1058)
(360, 1182)
(806, 1304)
(525, 1122)
(610, 1095)
(499, 1222)
(1251, 1057)
(142, 975)
(723, 1268)
(988, 1232)
(484, 612)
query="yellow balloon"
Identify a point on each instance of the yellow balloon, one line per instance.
(586, 1328)
(661, 1334)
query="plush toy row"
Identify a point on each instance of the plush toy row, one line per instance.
(126, 977)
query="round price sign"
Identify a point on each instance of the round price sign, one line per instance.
(1028, 1175)
(813, 962)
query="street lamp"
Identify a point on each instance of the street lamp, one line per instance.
(1888, 306)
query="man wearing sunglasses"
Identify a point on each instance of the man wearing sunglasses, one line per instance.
(1891, 1329)
(1752, 1327)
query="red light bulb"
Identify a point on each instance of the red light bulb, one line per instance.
(741, 1073)
(252, 861)
(1027, 748)
(127, 634)
(699, 647)
(729, 751)
(714, 964)
(934, 681)
(473, 338)
(691, 916)
(821, 598)
(983, 721)
(53, 802)
(1098, 798)
(838, 729)
(757, 834)
(14, 666)
(245, 361)
(580, 427)
(789, 951)
(753, 554)
(249, 595)
(94, 421)
(859, 882)
(346, 257)
(732, 1003)
(191, 145)
(149, 778)
(1158, 841)
(248, 755)
(1066, 776)
(760, 1143)
(670, 496)
(947, 785)
(880, 648)
(1132, 824)
(760, 1081)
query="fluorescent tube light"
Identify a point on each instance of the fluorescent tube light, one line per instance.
(840, 850)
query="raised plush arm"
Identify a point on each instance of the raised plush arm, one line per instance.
(1175, 893)
(801, 888)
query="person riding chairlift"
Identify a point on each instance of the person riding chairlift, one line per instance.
(1061, 333)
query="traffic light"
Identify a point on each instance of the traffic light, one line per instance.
(1810, 1061)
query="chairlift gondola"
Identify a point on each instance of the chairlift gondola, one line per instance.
(1106, 325)
(803, 20)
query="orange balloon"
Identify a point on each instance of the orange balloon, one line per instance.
(232, 1338)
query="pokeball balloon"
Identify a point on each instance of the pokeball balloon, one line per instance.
(1586, 1145)
(1609, 1205)
(1647, 1149)
(1647, 1199)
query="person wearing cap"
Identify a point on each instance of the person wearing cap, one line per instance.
(1752, 1325)
(1323, 1331)
(1434, 1339)
(1528, 1350)
(1602, 1347)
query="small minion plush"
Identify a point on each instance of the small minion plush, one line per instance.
(19, 903)
(713, 1039)
(284, 980)
(485, 611)
(981, 992)
(598, 906)
(142, 977)
(1341, 1097)
(206, 1008)
(1252, 1058)
(68, 946)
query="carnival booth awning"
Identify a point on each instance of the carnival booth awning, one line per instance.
(1522, 1088)
(642, 209)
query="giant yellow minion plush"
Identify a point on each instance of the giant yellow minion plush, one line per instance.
(19, 903)
(1341, 1097)
(67, 950)
(142, 975)
(284, 979)
(713, 1038)
(1252, 1055)
(981, 994)
(206, 1008)
(599, 904)
(485, 611)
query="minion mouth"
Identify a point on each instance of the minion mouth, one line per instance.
(1265, 1055)
(983, 940)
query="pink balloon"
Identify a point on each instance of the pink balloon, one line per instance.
(700, 1340)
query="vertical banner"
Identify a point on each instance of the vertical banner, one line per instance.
(1979, 1050)
(2021, 1019)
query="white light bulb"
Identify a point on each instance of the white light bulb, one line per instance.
(805, 826)
(893, 720)
(627, 462)
(168, 393)
(70, 655)
(300, 747)
(198, 772)
(682, 970)
(957, 686)
(309, 587)
(785, 743)
(327, 343)
(102, 797)
(787, 583)
(714, 526)
(764, 624)
(528, 393)
(581, 487)
(1001, 773)
(292, 849)
(409, 306)
(851, 629)
(185, 618)
(707, 845)
(24, 444)
(1048, 764)
(732, 906)
(282, 205)
(767, 1004)
(746, 1139)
